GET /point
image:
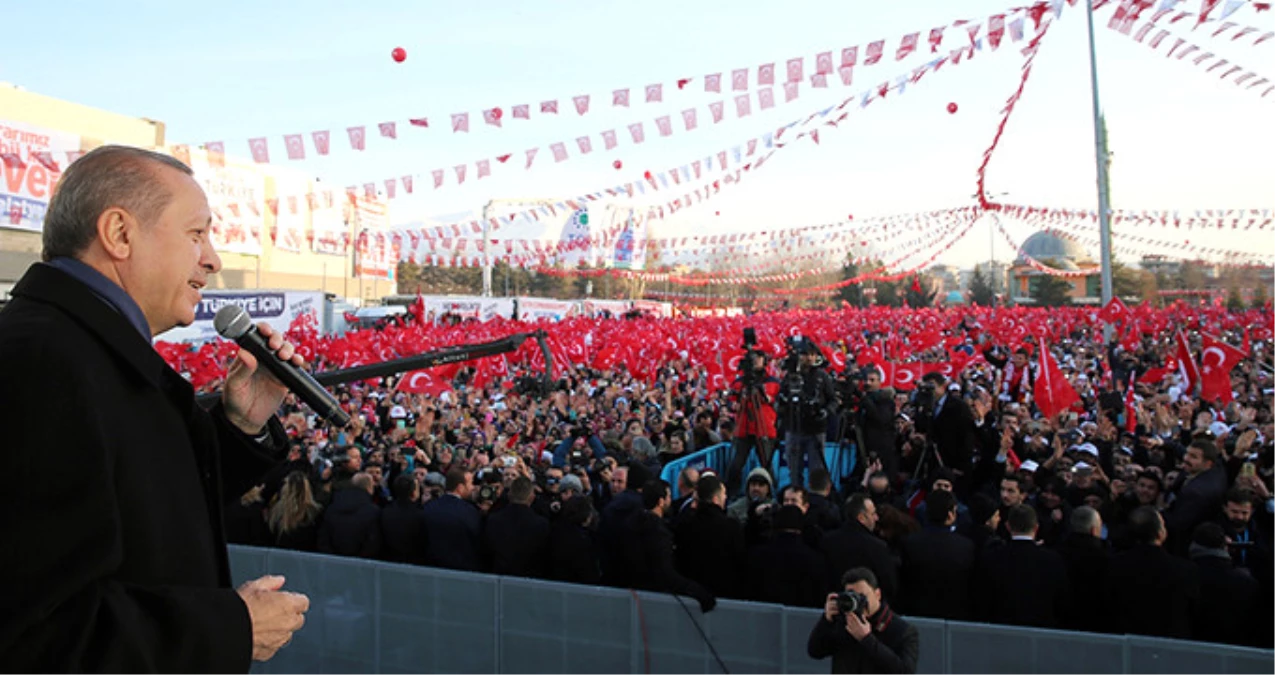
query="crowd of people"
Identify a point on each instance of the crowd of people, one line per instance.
(1140, 508)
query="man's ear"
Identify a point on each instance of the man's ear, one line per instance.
(115, 230)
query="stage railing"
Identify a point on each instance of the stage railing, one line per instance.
(840, 461)
(373, 617)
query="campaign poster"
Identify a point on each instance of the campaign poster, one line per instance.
(32, 159)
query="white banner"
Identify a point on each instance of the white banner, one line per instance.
(236, 195)
(27, 183)
(277, 308)
(534, 309)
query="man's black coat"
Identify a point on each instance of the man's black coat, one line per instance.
(854, 546)
(455, 533)
(954, 433)
(351, 525)
(403, 538)
(936, 573)
(114, 557)
(517, 540)
(1021, 584)
(710, 550)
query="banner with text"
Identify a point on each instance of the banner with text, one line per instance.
(32, 159)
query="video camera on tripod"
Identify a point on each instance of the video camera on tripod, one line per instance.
(750, 375)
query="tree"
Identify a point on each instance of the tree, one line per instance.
(852, 293)
(920, 293)
(981, 292)
(1051, 291)
(887, 293)
(1126, 282)
(1259, 296)
(1234, 302)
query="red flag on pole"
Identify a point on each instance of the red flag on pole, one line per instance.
(1053, 393)
(1130, 410)
(1187, 368)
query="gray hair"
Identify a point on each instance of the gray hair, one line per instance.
(1084, 519)
(109, 176)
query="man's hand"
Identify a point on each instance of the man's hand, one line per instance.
(275, 614)
(857, 627)
(252, 394)
(830, 608)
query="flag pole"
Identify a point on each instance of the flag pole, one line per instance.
(1100, 152)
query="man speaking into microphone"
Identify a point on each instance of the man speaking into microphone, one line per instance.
(114, 556)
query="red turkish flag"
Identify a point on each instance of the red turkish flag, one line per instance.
(582, 104)
(1115, 311)
(608, 139)
(492, 116)
(1130, 410)
(765, 98)
(689, 118)
(875, 50)
(295, 146)
(388, 129)
(717, 108)
(322, 140)
(996, 30)
(766, 74)
(1216, 362)
(559, 152)
(636, 131)
(1186, 363)
(823, 63)
(620, 97)
(460, 122)
(904, 376)
(522, 112)
(585, 144)
(423, 382)
(357, 137)
(1052, 391)
(260, 150)
(907, 46)
(216, 153)
(654, 93)
(796, 68)
(713, 82)
(936, 39)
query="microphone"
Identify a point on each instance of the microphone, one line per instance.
(233, 323)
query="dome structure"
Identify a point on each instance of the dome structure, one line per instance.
(1047, 247)
(954, 298)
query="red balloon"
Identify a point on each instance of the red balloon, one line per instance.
(399, 54)
(647, 175)
(497, 113)
(617, 164)
(951, 108)
(717, 213)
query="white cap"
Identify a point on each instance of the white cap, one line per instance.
(398, 412)
(1219, 428)
(1029, 465)
(1087, 447)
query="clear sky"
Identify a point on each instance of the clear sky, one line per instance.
(239, 69)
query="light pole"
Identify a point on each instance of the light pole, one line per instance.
(1100, 159)
(991, 241)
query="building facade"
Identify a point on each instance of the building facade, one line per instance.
(1061, 254)
(274, 227)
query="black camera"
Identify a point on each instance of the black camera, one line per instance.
(852, 602)
(488, 492)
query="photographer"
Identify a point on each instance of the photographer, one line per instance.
(860, 632)
(876, 420)
(755, 390)
(807, 399)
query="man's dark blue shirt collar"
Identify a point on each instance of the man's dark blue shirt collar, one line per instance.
(107, 290)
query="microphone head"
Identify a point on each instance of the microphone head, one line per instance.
(231, 322)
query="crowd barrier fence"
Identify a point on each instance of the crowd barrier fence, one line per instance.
(374, 617)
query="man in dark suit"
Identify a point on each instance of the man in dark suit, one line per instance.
(453, 526)
(953, 430)
(1148, 591)
(352, 522)
(855, 545)
(785, 570)
(937, 564)
(403, 524)
(648, 549)
(517, 538)
(1197, 495)
(1020, 583)
(710, 544)
(1087, 557)
(129, 572)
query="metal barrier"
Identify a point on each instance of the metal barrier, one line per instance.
(377, 617)
(840, 461)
